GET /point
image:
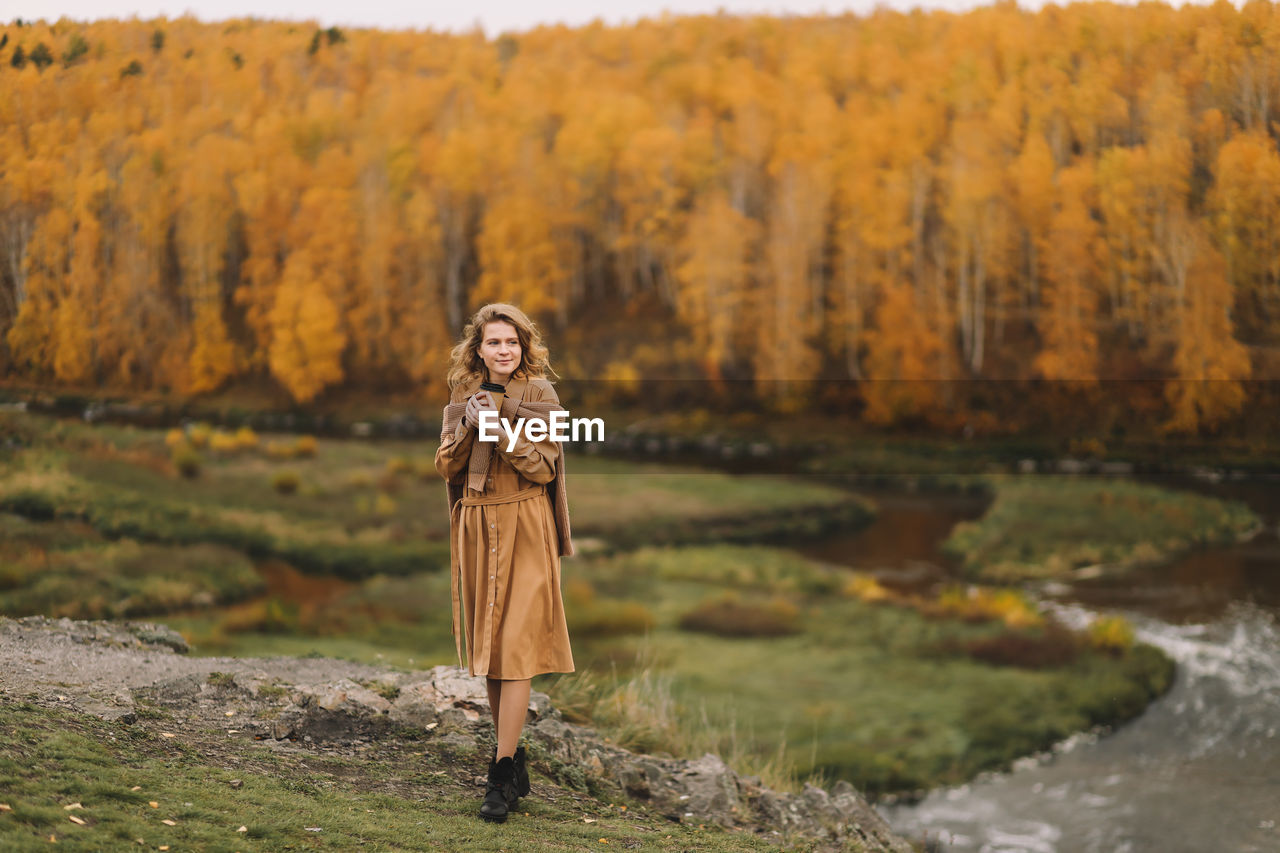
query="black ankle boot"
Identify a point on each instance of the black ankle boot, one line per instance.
(501, 793)
(522, 773)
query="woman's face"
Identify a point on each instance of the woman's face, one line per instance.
(500, 350)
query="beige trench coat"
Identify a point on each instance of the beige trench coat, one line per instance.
(505, 551)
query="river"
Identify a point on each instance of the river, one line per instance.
(1197, 772)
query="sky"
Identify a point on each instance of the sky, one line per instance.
(493, 16)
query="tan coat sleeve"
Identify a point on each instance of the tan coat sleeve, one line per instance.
(536, 461)
(454, 454)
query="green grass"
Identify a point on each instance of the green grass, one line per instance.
(364, 508)
(401, 796)
(124, 579)
(1048, 526)
(875, 694)
(880, 695)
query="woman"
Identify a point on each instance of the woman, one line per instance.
(509, 526)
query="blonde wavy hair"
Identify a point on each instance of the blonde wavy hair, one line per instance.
(465, 363)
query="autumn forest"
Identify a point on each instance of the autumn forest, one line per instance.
(1078, 194)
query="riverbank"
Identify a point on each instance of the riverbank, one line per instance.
(110, 735)
(681, 626)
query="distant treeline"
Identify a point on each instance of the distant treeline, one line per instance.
(1083, 193)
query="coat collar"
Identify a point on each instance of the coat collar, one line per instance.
(516, 388)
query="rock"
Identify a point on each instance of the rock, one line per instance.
(173, 691)
(345, 695)
(458, 742)
(711, 789)
(416, 705)
(159, 635)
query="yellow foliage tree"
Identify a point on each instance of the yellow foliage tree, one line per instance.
(308, 341)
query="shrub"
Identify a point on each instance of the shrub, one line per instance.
(866, 588)
(186, 460)
(271, 615)
(589, 616)
(246, 438)
(399, 465)
(983, 604)
(305, 446)
(1054, 646)
(174, 437)
(359, 480)
(223, 442)
(384, 505)
(286, 482)
(280, 450)
(1111, 634)
(198, 435)
(730, 617)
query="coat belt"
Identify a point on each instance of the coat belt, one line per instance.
(455, 567)
(488, 500)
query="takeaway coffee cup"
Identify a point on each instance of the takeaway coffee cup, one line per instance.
(496, 392)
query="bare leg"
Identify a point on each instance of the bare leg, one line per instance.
(514, 707)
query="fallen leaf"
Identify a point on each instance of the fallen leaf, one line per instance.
(73, 806)
(603, 841)
(168, 822)
(231, 713)
(136, 788)
(77, 820)
(53, 839)
(431, 726)
(588, 820)
(154, 804)
(163, 847)
(243, 829)
(5, 807)
(167, 734)
(311, 828)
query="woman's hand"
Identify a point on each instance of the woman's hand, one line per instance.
(478, 402)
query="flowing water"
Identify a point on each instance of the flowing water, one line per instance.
(1197, 772)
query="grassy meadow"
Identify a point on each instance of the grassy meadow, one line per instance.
(690, 633)
(1052, 527)
(80, 783)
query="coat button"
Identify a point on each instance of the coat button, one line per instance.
(491, 550)
(491, 526)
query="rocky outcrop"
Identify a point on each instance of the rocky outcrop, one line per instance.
(316, 700)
